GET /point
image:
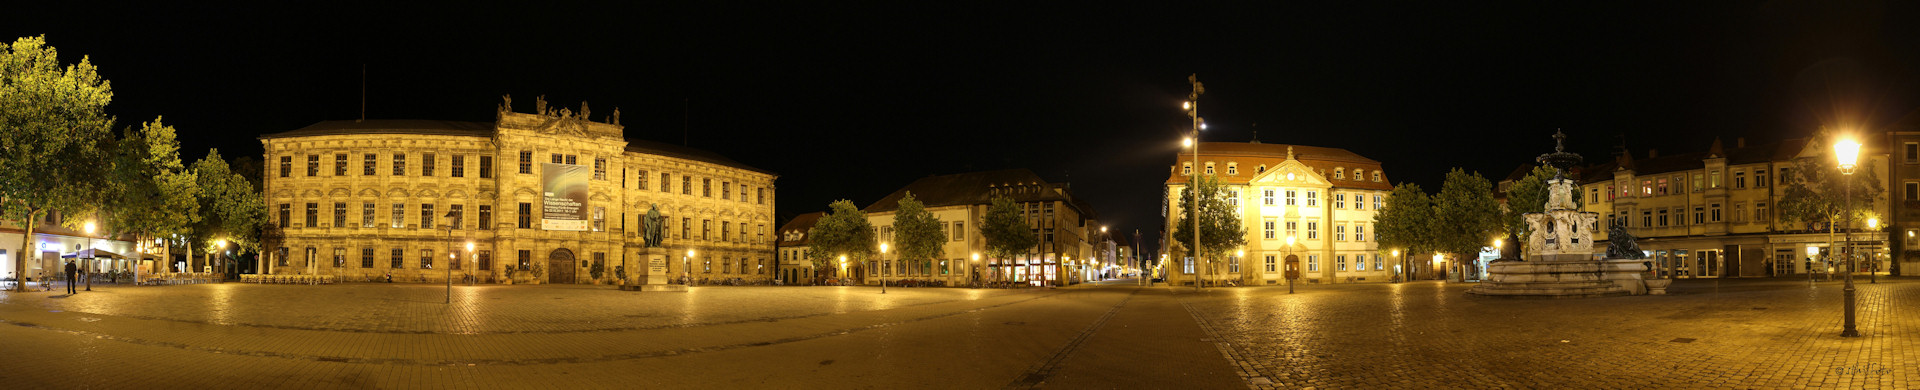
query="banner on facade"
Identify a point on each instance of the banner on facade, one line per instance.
(564, 200)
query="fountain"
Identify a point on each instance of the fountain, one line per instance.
(1559, 261)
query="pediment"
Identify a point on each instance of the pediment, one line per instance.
(426, 193)
(599, 196)
(1291, 173)
(397, 193)
(283, 194)
(339, 192)
(488, 195)
(456, 194)
(310, 194)
(525, 191)
(370, 193)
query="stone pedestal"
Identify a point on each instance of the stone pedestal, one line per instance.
(1563, 279)
(649, 272)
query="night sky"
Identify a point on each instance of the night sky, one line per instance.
(852, 102)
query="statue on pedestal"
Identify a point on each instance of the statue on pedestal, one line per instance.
(653, 227)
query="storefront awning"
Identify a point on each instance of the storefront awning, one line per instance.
(92, 254)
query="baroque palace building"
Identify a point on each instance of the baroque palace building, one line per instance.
(360, 200)
(1716, 214)
(1323, 198)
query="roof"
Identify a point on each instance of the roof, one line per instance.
(1754, 154)
(971, 188)
(1249, 156)
(801, 223)
(678, 151)
(390, 126)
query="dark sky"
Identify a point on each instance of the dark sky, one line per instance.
(855, 102)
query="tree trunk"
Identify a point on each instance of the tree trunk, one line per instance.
(26, 245)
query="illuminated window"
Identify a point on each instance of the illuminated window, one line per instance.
(426, 164)
(367, 162)
(1233, 169)
(1268, 230)
(526, 162)
(1313, 198)
(339, 164)
(1313, 263)
(313, 165)
(1266, 197)
(1271, 264)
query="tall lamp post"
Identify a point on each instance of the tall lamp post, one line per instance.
(1847, 151)
(882, 269)
(1399, 274)
(974, 271)
(689, 260)
(453, 216)
(90, 251)
(1192, 106)
(470, 269)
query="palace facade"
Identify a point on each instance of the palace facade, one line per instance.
(361, 200)
(1322, 198)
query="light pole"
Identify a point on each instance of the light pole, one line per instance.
(843, 270)
(1193, 112)
(453, 216)
(1847, 152)
(688, 279)
(1398, 274)
(1873, 272)
(90, 251)
(974, 271)
(883, 268)
(470, 269)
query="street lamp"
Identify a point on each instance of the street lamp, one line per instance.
(843, 269)
(1847, 151)
(974, 271)
(1192, 106)
(1812, 252)
(883, 268)
(453, 216)
(470, 269)
(220, 244)
(90, 252)
(1873, 268)
(1397, 273)
(688, 279)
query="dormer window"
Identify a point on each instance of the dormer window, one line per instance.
(1186, 169)
(1356, 174)
(1261, 169)
(1376, 176)
(1339, 173)
(1209, 168)
(1233, 169)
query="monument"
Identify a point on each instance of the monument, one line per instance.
(1559, 261)
(648, 272)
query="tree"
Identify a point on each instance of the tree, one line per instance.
(52, 123)
(1817, 194)
(1220, 227)
(1006, 231)
(917, 233)
(156, 195)
(844, 231)
(1406, 223)
(1529, 195)
(1466, 217)
(231, 210)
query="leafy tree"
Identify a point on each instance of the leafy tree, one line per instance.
(1006, 231)
(1816, 196)
(843, 231)
(156, 195)
(917, 233)
(1407, 221)
(231, 209)
(1220, 227)
(1529, 195)
(52, 123)
(1466, 217)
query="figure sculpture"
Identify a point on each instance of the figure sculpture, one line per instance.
(653, 227)
(1620, 244)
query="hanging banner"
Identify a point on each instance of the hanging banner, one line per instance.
(564, 203)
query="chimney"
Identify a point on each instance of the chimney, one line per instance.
(1653, 153)
(1740, 142)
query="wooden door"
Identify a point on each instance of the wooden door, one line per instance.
(560, 266)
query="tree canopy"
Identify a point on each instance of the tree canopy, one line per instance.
(1005, 230)
(230, 208)
(1220, 228)
(1466, 218)
(843, 231)
(917, 234)
(1407, 221)
(1816, 193)
(53, 121)
(156, 195)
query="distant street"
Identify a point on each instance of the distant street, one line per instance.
(1735, 333)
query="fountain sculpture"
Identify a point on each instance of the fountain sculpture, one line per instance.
(1559, 260)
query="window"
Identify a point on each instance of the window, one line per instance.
(485, 259)
(1699, 215)
(1379, 202)
(457, 167)
(686, 228)
(706, 228)
(599, 168)
(743, 232)
(286, 166)
(1610, 193)
(686, 185)
(460, 215)
(959, 230)
(1340, 263)
(339, 256)
(1260, 169)
(525, 215)
(453, 261)
(726, 190)
(1663, 218)
(1697, 183)
(557, 158)
(399, 164)
(1913, 191)
(1233, 169)
(666, 182)
(1210, 169)
(1714, 210)
(399, 258)
(399, 215)
(1740, 180)
(1376, 176)
(573, 159)
(743, 193)
(1271, 264)
(526, 162)
(366, 257)
(313, 165)
(1739, 212)
(367, 162)
(1760, 178)
(599, 219)
(760, 195)
(1912, 150)
(313, 215)
(524, 259)
(340, 164)
(1313, 198)
(1359, 202)
(486, 217)
(1233, 263)
(1359, 262)
(486, 167)
(426, 164)
(1360, 233)
(1339, 173)
(1646, 218)
(426, 259)
(1593, 195)
(366, 214)
(1233, 198)
(1313, 230)
(286, 215)
(1267, 231)
(1292, 229)
(1290, 198)
(1339, 201)
(1646, 188)
(1760, 212)
(1186, 169)
(339, 214)
(642, 179)
(1266, 197)
(706, 187)
(1313, 263)
(426, 216)
(1339, 232)
(1713, 179)
(1661, 187)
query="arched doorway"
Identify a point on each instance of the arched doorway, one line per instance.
(560, 266)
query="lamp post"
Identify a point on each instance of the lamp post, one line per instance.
(1811, 253)
(882, 269)
(1398, 274)
(90, 251)
(688, 279)
(1873, 268)
(453, 216)
(1847, 152)
(1193, 112)
(1498, 246)
(470, 269)
(843, 269)
(974, 271)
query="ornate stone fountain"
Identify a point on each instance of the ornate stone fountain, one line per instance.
(1559, 261)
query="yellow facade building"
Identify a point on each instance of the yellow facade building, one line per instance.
(1322, 198)
(362, 200)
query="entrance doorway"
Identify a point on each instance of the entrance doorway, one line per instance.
(560, 266)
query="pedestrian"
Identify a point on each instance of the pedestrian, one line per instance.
(72, 270)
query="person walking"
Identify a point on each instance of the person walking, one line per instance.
(71, 271)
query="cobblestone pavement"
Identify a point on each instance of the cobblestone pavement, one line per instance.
(1709, 334)
(1743, 333)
